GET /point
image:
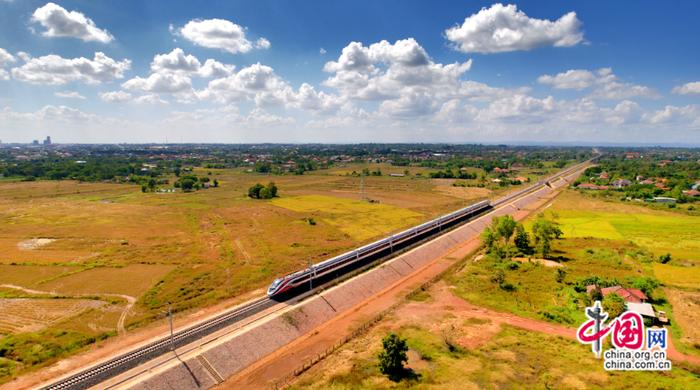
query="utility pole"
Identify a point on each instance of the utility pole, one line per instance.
(362, 186)
(170, 319)
(311, 275)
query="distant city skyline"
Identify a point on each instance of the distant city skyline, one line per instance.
(329, 72)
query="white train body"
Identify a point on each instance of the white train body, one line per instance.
(327, 266)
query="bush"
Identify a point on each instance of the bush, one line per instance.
(663, 259)
(560, 275)
(614, 305)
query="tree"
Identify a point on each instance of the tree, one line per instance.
(506, 227)
(488, 237)
(393, 356)
(254, 191)
(645, 284)
(259, 191)
(187, 184)
(614, 305)
(272, 188)
(152, 184)
(544, 231)
(522, 239)
(497, 236)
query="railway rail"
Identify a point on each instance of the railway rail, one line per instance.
(100, 372)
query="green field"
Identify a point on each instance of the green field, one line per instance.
(659, 231)
(536, 292)
(358, 219)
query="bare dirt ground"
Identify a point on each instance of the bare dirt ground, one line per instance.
(686, 312)
(34, 243)
(446, 314)
(544, 262)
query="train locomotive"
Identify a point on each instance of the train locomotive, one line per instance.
(399, 240)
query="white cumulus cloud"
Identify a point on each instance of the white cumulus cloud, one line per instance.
(69, 95)
(384, 71)
(56, 70)
(159, 83)
(115, 96)
(220, 34)
(603, 83)
(688, 88)
(503, 28)
(175, 61)
(262, 43)
(5, 57)
(62, 23)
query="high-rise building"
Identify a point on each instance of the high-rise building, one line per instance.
(47, 141)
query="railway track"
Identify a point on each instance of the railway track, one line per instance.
(98, 373)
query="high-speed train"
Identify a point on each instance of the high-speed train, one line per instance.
(399, 240)
(298, 278)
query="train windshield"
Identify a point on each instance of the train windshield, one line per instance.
(275, 284)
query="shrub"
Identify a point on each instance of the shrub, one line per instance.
(614, 305)
(663, 259)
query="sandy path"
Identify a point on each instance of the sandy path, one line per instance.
(449, 300)
(130, 301)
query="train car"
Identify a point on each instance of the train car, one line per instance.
(397, 240)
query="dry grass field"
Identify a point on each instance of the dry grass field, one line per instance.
(686, 310)
(191, 249)
(31, 315)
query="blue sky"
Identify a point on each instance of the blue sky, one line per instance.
(280, 71)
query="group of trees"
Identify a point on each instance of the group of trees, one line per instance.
(505, 237)
(193, 182)
(448, 174)
(90, 170)
(259, 191)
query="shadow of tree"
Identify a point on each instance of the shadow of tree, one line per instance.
(404, 374)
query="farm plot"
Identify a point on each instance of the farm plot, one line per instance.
(132, 280)
(360, 220)
(684, 277)
(659, 231)
(31, 315)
